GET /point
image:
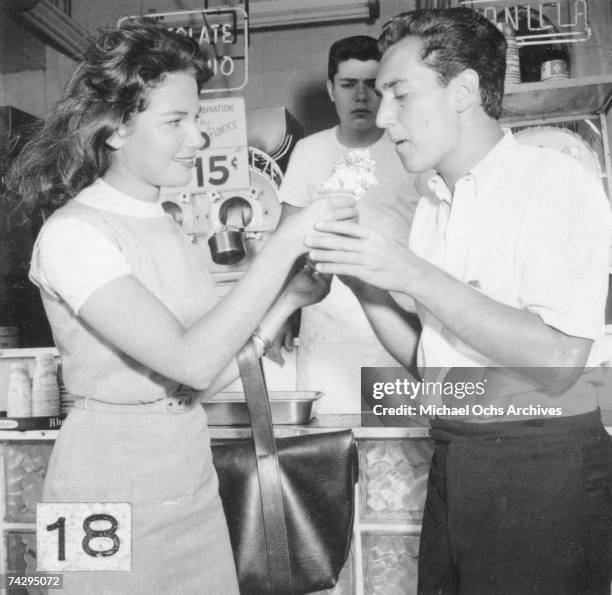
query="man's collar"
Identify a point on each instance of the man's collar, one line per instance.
(495, 158)
(438, 186)
(480, 172)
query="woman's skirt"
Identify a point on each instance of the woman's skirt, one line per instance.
(162, 465)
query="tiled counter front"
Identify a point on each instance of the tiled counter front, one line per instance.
(22, 470)
(391, 495)
(393, 469)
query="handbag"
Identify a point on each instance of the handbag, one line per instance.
(289, 502)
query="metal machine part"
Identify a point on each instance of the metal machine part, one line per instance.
(228, 227)
(275, 131)
(566, 141)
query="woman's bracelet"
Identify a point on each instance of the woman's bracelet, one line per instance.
(259, 338)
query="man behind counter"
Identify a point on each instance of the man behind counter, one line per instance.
(335, 336)
(508, 265)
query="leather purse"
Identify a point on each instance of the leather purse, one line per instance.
(289, 502)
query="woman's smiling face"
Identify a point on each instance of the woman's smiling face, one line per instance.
(157, 147)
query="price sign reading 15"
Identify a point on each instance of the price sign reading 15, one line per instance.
(221, 168)
(83, 536)
(222, 163)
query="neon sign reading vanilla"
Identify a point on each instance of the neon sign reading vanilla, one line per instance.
(539, 22)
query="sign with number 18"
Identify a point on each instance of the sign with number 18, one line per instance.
(83, 536)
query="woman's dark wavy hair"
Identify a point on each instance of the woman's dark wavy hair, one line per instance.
(453, 40)
(108, 87)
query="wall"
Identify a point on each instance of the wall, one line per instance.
(289, 67)
(35, 91)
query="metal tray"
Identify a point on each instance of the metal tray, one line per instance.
(287, 407)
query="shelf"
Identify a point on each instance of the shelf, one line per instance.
(563, 98)
(13, 435)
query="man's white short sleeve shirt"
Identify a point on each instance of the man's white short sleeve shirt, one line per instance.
(530, 228)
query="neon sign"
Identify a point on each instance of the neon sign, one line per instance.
(538, 22)
(222, 33)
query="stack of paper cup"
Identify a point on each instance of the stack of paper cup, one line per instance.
(19, 400)
(513, 66)
(45, 390)
(66, 398)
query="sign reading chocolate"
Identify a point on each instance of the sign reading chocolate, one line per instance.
(222, 33)
(538, 23)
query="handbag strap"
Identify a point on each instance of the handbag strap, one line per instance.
(256, 394)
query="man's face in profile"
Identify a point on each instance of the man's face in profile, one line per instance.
(420, 115)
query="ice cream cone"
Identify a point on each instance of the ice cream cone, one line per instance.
(352, 175)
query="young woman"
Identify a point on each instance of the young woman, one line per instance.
(133, 312)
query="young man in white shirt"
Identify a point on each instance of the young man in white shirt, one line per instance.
(335, 336)
(508, 265)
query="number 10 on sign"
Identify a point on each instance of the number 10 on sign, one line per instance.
(83, 536)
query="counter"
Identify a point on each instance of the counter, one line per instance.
(328, 423)
(394, 463)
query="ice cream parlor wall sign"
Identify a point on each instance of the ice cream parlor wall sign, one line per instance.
(222, 33)
(538, 22)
